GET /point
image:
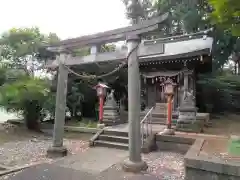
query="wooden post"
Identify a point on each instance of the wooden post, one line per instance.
(57, 148)
(169, 112)
(101, 102)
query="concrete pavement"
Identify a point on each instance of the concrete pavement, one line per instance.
(103, 164)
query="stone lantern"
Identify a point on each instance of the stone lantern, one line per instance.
(169, 88)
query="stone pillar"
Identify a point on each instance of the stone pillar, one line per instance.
(134, 163)
(57, 148)
(186, 74)
(187, 111)
(194, 84)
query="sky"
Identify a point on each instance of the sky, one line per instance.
(66, 18)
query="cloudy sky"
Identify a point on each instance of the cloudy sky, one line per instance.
(67, 18)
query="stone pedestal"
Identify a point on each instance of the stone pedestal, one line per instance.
(135, 167)
(111, 111)
(55, 152)
(167, 131)
(187, 119)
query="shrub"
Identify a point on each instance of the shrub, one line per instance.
(219, 93)
(26, 97)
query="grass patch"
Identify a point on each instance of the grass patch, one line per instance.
(83, 123)
(234, 147)
(88, 124)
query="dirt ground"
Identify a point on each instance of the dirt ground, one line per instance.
(224, 128)
(21, 133)
(216, 144)
(19, 146)
(225, 125)
(12, 134)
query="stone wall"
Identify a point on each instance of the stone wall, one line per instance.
(173, 143)
(198, 166)
(198, 174)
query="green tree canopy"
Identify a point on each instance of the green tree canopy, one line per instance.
(23, 48)
(227, 14)
(23, 52)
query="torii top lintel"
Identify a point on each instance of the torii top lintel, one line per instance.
(174, 47)
(112, 35)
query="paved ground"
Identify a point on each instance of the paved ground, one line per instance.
(125, 127)
(104, 164)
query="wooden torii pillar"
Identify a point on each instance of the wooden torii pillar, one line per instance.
(135, 50)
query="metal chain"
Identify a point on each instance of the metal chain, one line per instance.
(91, 76)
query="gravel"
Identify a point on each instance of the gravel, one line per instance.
(165, 165)
(27, 152)
(161, 166)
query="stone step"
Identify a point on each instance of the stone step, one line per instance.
(161, 107)
(115, 133)
(161, 104)
(109, 144)
(113, 138)
(162, 121)
(108, 122)
(159, 115)
(160, 110)
(163, 115)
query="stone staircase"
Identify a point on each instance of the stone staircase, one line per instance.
(159, 115)
(161, 108)
(119, 139)
(112, 139)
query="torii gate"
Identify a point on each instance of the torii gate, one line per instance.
(135, 50)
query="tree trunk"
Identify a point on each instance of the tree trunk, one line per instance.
(235, 68)
(32, 115)
(238, 69)
(32, 124)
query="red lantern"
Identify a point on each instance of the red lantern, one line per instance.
(101, 93)
(169, 87)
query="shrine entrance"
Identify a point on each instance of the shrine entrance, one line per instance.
(155, 89)
(160, 98)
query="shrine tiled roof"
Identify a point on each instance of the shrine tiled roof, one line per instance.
(183, 46)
